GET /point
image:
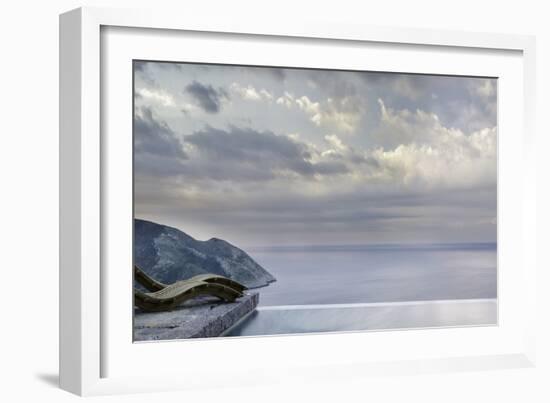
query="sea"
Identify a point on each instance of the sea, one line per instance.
(372, 287)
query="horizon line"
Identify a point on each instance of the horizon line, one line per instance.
(370, 245)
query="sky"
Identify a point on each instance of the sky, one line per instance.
(265, 156)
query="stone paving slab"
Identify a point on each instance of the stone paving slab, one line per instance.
(203, 318)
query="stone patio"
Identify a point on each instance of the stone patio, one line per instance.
(206, 317)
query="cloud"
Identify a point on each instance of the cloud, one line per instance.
(486, 88)
(278, 73)
(154, 137)
(466, 103)
(342, 114)
(157, 149)
(335, 84)
(143, 73)
(287, 100)
(246, 154)
(417, 149)
(159, 97)
(408, 86)
(455, 161)
(250, 93)
(301, 212)
(404, 126)
(207, 97)
(139, 66)
(273, 160)
(407, 149)
(338, 150)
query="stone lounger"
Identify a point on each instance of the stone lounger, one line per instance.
(163, 297)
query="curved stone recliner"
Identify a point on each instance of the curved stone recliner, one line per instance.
(163, 297)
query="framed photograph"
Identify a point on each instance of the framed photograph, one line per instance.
(308, 200)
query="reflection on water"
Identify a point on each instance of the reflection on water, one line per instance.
(361, 274)
(268, 321)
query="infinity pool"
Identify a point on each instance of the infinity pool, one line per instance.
(373, 316)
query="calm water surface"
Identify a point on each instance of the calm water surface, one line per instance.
(362, 274)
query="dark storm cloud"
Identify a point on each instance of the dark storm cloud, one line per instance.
(234, 155)
(156, 147)
(207, 97)
(257, 154)
(139, 66)
(154, 137)
(238, 143)
(278, 73)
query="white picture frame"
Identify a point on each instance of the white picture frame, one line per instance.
(89, 218)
